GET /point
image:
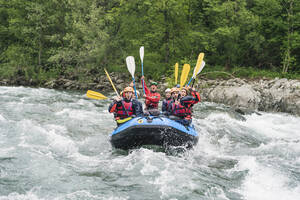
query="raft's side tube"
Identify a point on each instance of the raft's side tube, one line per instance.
(153, 131)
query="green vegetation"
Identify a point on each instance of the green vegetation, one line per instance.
(41, 40)
(245, 72)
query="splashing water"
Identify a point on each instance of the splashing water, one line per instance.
(55, 145)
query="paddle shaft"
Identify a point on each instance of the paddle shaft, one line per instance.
(193, 82)
(190, 81)
(143, 81)
(142, 58)
(196, 73)
(134, 87)
(111, 83)
(115, 90)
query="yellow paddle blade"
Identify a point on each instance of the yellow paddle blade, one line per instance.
(176, 73)
(95, 95)
(198, 65)
(184, 74)
(120, 121)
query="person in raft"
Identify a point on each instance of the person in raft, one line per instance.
(137, 94)
(166, 102)
(152, 98)
(182, 103)
(125, 107)
(133, 94)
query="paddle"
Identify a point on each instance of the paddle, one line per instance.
(184, 74)
(95, 95)
(142, 58)
(198, 68)
(176, 73)
(192, 78)
(131, 68)
(112, 84)
(202, 66)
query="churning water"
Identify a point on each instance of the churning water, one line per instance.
(55, 145)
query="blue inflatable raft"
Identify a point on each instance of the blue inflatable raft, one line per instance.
(153, 130)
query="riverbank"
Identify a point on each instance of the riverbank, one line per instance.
(276, 95)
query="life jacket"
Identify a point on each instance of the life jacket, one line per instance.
(124, 111)
(167, 103)
(181, 111)
(197, 97)
(150, 104)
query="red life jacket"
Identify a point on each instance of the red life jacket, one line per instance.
(151, 104)
(168, 103)
(181, 111)
(124, 110)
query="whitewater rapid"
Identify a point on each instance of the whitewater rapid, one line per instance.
(55, 145)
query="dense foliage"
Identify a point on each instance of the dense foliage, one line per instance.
(46, 39)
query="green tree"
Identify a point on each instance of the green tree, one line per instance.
(85, 40)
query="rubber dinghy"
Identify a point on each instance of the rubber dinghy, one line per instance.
(153, 130)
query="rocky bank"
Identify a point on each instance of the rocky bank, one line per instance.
(277, 95)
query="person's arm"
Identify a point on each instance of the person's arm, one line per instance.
(196, 96)
(113, 105)
(154, 99)
(187, 101)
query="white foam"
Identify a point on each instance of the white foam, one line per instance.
(81, 114)
(6, 151)
(220, 118)
(30, 195)
(265, 182)
(274, 125)
(33, 137)
(30, 133)
(2, 119)
(84, 194)
(174, 180)
(62, 145)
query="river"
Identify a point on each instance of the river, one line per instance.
(55, 145)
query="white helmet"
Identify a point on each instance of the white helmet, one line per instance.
(167, 90)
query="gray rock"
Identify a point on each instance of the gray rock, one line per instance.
(118, 81)
(280, 95)
(238, 97)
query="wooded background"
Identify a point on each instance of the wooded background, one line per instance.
(45, 39)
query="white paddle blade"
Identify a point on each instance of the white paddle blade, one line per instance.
(200, 69)
(130, 65)
(142, 53)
